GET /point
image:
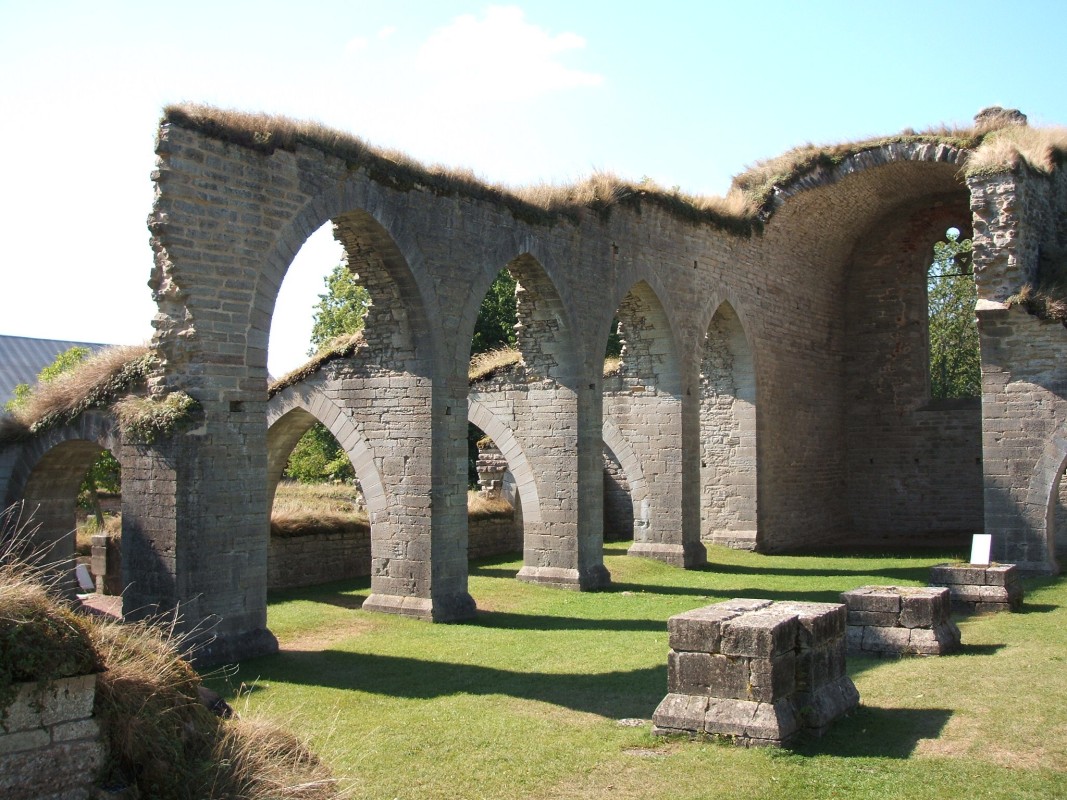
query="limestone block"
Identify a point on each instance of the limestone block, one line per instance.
(886, 640)
(700, 629)
(881, 599)
(759, 634)
(924, 609)
(878, 619)
(680, 712)
(772, 680)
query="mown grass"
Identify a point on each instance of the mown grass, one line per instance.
(525, 700)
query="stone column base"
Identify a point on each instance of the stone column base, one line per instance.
(688, 556)
(439, 609)
(596, 577)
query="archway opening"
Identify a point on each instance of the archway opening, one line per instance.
(320, 527)
(494, 513)
(728, 474)
(643, 399)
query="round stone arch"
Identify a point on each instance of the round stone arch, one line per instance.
(729, 425)
(291, 413)
(46, 476)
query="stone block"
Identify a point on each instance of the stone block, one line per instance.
(771, 680)
(698, 630)
(61, 700)
(924, 608)
(877, 619)
(816, 622)
(881, 599)
(680, 713)
(886, 640)
(759, 634)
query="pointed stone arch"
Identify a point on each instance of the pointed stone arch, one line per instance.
(646, 403)
(728, 433)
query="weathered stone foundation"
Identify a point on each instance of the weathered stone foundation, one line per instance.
(980, 588)
(900, 620)
(756, 671)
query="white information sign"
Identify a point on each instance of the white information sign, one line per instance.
(981, 544)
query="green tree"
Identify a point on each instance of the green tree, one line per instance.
(495, 327)
(105, 475)
(341, 309)
(955, 360)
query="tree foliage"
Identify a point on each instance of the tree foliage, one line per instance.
(955, 361)
(495, 327)
(341, 309)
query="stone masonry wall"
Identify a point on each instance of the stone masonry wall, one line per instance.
(50, 745)
(915, 465)
(1018, 217)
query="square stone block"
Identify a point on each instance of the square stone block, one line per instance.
(816, 622)
(680, 713)
(759, 634)
(698, 630)
(771, 680)
(708, 674)
(882, 599)
(924, 608)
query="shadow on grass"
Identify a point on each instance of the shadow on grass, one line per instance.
(716, 594)
(615, 695)
(919, 573)
(878, 733)
(540, 622)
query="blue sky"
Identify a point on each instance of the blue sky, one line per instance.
(687, 93)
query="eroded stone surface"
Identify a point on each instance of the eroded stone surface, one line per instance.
(756, 671)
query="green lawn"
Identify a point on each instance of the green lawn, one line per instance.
(525, 701)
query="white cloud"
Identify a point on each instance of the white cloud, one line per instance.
(500, 56)
(386, 32)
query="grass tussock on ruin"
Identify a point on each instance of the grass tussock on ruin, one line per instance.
(997, 143)
(162, 741)
(98, 381)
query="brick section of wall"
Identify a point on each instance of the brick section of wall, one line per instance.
(50, 745)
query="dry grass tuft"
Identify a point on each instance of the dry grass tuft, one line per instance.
(479, 507)
(162, 742)
(304, 509)
(757, 182)
(542, 204)
(1002, 150)
(486, 365)
(343, 346)
(96, 381)
(144, 420)
(612, 365)
(742, 211)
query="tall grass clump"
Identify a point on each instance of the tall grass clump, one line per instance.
(162, 741)
(96, 381)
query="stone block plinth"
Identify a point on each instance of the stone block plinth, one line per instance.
(981, 588)
(757, 671)
(50, 745)
(900, 620)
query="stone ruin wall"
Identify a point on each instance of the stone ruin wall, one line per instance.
(1017, 220)
(814, 298)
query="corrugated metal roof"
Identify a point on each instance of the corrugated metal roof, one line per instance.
(21, 358)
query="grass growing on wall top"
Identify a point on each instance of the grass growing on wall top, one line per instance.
(524, 701)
